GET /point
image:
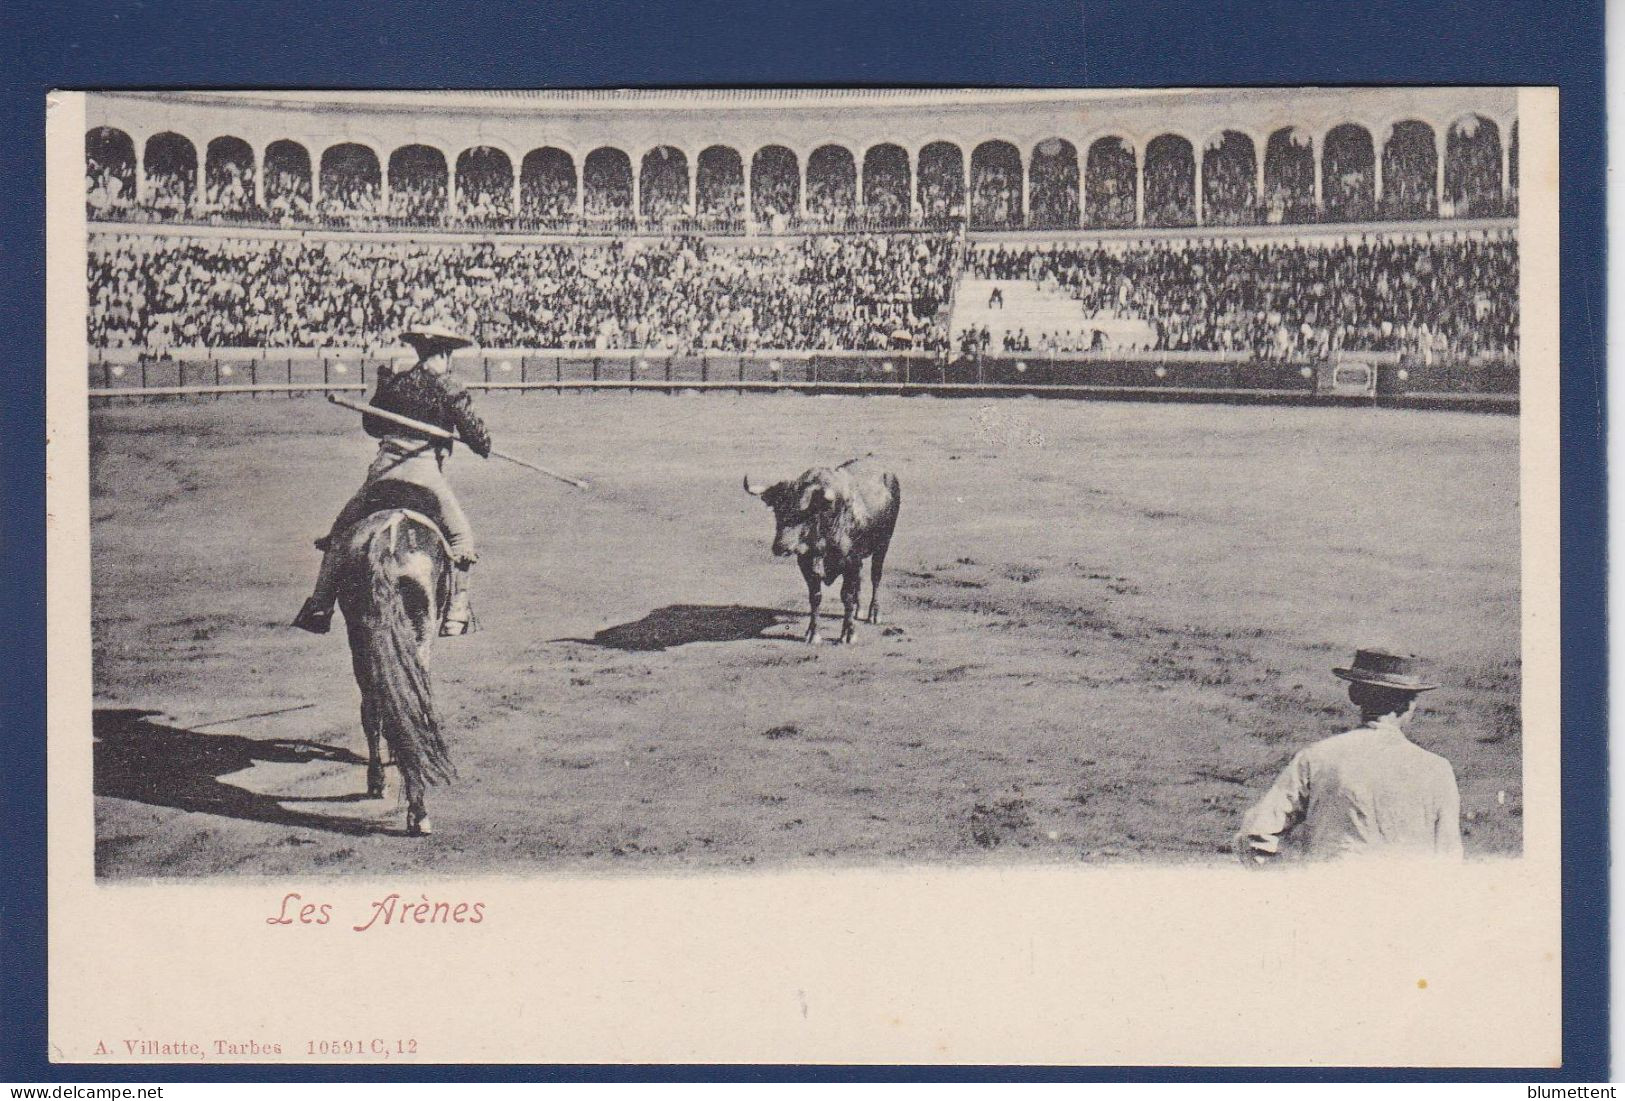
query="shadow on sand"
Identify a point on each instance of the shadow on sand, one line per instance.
(681, 624)
(168, 766)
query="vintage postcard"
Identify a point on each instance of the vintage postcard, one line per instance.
(917, 576)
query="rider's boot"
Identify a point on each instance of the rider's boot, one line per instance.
(316, 616)
(459, 612)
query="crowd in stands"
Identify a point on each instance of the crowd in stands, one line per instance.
(287, 196)
(1473, 180)
(1170, 197)
(610, 197)
(1053, 205)
(418, 198)
(1110, 187)
(774, 193)
(169, 191)
(854, 291)
(229, 185)
(1289, 300)
(485, 192)
(548, 197)
(1227, 193)
(1364, 176)
(719, 196)
(108, 184)
(941, 199)
(344, 196)
(996, 198)
(1433, 295)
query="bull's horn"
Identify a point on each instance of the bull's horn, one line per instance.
(754, 491)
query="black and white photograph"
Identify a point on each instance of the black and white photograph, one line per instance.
(653, 488)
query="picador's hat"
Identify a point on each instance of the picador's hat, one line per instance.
(1387, 670)
(433, 339)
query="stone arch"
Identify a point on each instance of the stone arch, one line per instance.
(1230, 180)
(418, 182)
(775, 182)
(1472, 166)
(286, 167)
(1110, 182)
(1170, 181)
(1348, 173)
(170, 160)
(832, 182)
(350, 177)
(1410, 169)
(484, 182)
(887, 184)
(1289, 175)
(109, 166)
(719, 183)
(1052, 185)
(663, 183)
(228, 173)
(547, 183)
(996, 186)
(606, 182)
(940, 181)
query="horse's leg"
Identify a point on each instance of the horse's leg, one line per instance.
(417, 810)
(425, 611)
(369, 709)
(375, 760)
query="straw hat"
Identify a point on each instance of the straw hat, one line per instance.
(1387, 670)
(433, 339)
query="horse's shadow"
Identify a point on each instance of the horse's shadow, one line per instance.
(681, 624)
(168, 766)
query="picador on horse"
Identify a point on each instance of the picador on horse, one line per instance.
(410, 470)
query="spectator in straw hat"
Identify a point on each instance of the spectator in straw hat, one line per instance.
(427, 393)
(1368, 791)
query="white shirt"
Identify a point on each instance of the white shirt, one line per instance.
(1368, 789)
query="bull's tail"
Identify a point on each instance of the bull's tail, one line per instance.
(389, 667)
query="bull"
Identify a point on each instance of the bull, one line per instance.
(831, 520)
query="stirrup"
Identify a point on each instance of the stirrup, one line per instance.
(314, 618)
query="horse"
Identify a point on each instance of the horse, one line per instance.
(394, 581)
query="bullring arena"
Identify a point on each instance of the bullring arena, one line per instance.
(1188, 393)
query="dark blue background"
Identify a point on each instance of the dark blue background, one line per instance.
(501, 43)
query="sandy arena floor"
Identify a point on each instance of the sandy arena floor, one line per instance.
(1108, 626)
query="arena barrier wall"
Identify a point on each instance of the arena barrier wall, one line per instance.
(1479, 383)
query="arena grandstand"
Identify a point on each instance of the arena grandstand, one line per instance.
(1258, 226)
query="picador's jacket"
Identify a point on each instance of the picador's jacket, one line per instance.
(439, 400)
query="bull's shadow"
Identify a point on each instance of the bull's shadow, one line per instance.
(168, 766)
(681, 624)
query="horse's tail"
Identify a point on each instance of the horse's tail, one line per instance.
(394, 676)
